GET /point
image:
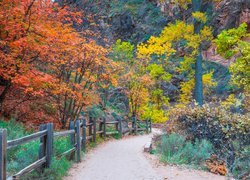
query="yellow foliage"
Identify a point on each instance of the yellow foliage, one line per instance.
(208, 82)
(186, 91)
(187, 87)
(163, 44)
(153, 113)
(230, 101)
(199, 16)
(183, 3)
(185, 65)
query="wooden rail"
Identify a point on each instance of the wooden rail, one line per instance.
(79, 132)
(26, 139)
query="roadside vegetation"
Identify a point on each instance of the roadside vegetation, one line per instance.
(24, 155)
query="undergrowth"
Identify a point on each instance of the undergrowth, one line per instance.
(24, 155)
(174, 149)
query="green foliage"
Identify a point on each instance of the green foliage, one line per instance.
(123, 51)
(14, 129)
(175, 149)
(231, 43)
(112, 129)
(158, 72)
(227, 40)
(26, 154)
(57, 171)
(95, 111)
(241, 167)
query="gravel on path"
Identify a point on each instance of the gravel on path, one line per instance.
(124, 159)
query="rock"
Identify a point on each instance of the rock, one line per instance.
(148, 147)
(122, 25)
(229, 14)
(170, 90)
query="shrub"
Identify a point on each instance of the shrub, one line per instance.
(175, 149)
(228, 132)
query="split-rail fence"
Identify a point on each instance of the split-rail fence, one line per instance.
(80, 132)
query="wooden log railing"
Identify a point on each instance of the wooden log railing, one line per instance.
(141, 125)
(80, 132)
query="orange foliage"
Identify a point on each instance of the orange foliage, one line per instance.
(46, 67)
(216, 166)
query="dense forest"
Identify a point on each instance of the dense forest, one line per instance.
(184, 64)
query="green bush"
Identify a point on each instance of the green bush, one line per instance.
(174, 149)
(57, 171)
(241, 167)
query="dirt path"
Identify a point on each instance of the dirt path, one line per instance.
(124, 160)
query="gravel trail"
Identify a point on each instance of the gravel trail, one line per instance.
(125, 160)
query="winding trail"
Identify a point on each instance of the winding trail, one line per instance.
(124, 160)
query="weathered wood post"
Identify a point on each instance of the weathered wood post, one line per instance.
(3, 154)
(72, 137)
(117, 126)
(135, 125)
(150, 122)
(42, 147)
(104, 127)
(101, 127)
(147, 126)
(90, 128)
(49, 144)
(94, 130)
(78, 141)
(120, 127)
(84, 134)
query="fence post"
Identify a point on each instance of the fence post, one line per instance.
(101, 126)
(117, 126)
(104, 127)
(150, 121)
(3, 154)
(49, 145)
(42, 147)
(72, 137)
(94, 133)
(84, 135)
(147, 126)
(90, 127)
(120, 127)
(78, 141)
(135, 125)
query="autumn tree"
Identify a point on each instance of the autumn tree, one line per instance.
(131, 76)
(182, 39)
(45, 64)
(29, 32)
(82, 80)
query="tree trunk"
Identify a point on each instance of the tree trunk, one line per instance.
(198, 91)
(3, 95)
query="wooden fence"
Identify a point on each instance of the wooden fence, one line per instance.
(79, 132)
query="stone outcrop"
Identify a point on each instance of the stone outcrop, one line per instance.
(230, 14)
